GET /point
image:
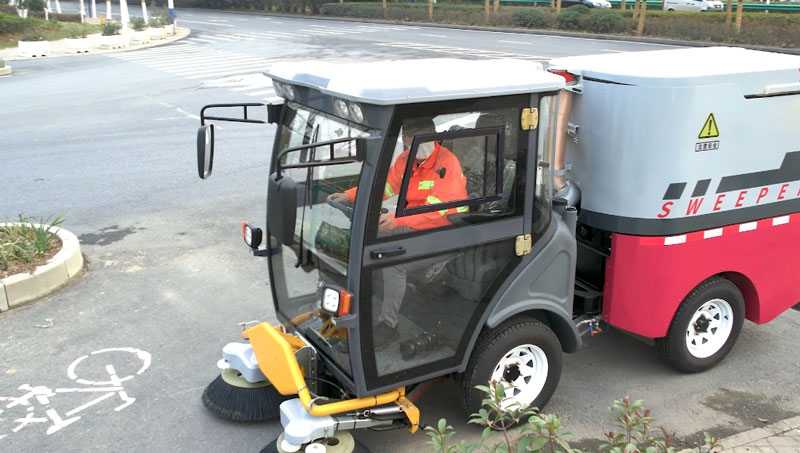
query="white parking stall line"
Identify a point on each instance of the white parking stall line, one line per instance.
(206, 23)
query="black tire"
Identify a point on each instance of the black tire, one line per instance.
(706, 351)
(495, 345)
(272, 447)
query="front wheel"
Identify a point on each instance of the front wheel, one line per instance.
(705, 327)
(523, 354)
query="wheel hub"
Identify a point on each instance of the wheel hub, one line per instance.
(702, 323)
(511, 373)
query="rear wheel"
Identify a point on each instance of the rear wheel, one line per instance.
(523, 354)
(340, 442)
(705, 327)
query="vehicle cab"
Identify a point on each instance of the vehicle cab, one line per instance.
(404, 200)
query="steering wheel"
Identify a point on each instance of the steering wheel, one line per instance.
(346, 208)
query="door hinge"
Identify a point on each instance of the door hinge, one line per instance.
(529, 118)
(523, 245)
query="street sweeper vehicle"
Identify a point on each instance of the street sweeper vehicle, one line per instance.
(475, 219)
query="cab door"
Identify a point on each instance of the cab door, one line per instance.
(429, 274)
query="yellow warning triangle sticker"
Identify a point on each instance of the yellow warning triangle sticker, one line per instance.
(709, 129)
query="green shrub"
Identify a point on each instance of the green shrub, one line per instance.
(573, 18)
(138, 24)
(111, 28)
(530, 18)
(155, 21)
(35, 5)
(11, 24)
(605, 21)
(2, 63)
(33, 35)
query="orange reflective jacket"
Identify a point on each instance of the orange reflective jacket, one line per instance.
(437, 180)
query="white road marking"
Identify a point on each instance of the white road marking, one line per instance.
(514, 42)
(433, 36)
(206, 23)
(613, 50)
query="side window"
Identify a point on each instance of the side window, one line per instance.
(451, 169)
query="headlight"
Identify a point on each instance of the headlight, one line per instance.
(340, 107)
(252, 236)
(336, 301)
(278, 87)
(355, 113)
(288, 92)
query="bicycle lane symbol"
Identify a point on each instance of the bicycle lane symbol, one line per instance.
(36, 396)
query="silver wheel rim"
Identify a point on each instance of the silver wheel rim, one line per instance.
(709, 328)
(523, 372)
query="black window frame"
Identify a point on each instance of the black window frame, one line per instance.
(498, 132)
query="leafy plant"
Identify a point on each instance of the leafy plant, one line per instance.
(605, 21)
(111, 28)
(2, 63)
(35, 5)
(531, 18)
(155, 21)
(138, 24)
(26, 240)
(545, 432)
(572, 18)
(33, 35)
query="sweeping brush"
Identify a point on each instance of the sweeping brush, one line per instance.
(231, 397)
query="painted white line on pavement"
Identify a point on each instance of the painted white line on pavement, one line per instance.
(613, 50)
(514, 42)
(218, 38)
(200, 39)
(230, 72)
(206, 23)
(259, 93)
(433, 36)
(211, 63)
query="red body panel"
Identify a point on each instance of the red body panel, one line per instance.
(648, 277)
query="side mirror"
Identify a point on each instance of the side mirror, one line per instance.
(282, 208)
(205, 150)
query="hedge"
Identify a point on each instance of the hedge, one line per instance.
(774, 29)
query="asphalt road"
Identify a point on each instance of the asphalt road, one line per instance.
(108, 141)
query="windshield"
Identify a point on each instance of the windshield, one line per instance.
(320, 253)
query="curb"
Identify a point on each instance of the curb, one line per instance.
(756, 434)
(566, 34)
(56, 51)
(65, 265)
(5, 71)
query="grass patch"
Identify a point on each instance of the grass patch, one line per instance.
(27, 243)
(13, 29)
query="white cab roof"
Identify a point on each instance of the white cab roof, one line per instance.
(686, 67)
(411, 81)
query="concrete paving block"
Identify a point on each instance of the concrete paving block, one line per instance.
(21, 288)
(3, 298)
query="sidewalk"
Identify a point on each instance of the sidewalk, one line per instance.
(778, 437)
(58, 48)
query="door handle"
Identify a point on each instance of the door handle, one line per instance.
(388, 253)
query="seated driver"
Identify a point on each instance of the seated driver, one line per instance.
(436, 177)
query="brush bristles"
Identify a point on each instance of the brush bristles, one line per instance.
(242, 404)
